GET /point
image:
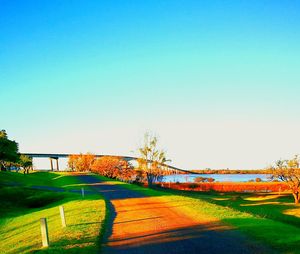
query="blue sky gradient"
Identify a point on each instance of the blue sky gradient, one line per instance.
(217, 80)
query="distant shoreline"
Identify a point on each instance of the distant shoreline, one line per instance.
(230, 171)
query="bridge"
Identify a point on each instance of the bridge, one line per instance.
(55, 156)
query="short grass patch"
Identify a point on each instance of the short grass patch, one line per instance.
(39, 178)
(22, 207)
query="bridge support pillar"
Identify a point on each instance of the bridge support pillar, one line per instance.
(57, 166)
(51, 163)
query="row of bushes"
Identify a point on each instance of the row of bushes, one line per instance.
(232, 187)
(109, 166)
(114, 167)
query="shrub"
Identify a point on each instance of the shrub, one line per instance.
(200, 179)
(42, 199)
(193, 186)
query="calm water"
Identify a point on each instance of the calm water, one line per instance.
(217, 177)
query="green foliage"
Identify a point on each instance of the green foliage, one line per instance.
(8, 151)
(25, 162)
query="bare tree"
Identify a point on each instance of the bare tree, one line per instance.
(152, 159)
(288, 171)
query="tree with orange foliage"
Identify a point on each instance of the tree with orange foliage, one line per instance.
(72, 161)
(113, 167)
(288, 171)
(81, 162)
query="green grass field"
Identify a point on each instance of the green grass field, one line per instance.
(22, 207)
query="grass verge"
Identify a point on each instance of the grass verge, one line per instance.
(22, 207)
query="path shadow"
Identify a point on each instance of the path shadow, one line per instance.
(109, 192)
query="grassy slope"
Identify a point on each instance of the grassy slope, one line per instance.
(21, 208)
(270, 219)
(53, 179)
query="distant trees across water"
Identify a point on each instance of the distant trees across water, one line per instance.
(231, 171)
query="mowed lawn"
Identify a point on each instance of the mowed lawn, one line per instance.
(22, 207)
(271, 219)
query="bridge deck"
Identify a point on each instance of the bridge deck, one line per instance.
(66, 155)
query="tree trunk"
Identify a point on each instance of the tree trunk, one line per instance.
(150, 179)
(296, 198)
(2, 168)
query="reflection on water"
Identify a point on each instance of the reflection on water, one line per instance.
(217, 177)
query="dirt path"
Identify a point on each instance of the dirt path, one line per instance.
(140, 224)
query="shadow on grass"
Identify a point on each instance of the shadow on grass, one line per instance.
(20, 201)
(82, 245)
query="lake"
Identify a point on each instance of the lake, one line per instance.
(217, 177)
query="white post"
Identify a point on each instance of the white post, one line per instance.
(44, 231)
(82, 192)
(62, 216)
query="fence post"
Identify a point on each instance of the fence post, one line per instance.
(62, 216)
(44, 231)
(82, 192)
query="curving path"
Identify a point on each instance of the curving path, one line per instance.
(142, 224)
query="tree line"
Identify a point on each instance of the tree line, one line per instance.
(151, 164)
(10, 158)
(110, 166)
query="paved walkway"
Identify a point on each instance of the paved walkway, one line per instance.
(140, 224)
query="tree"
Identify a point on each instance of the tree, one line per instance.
(152, 159)
(72, 159)
(81, 162)
(113, 167)
(8, 151)
(288, 171)
(26, 163)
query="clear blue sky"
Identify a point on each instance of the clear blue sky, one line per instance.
(219, 81)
